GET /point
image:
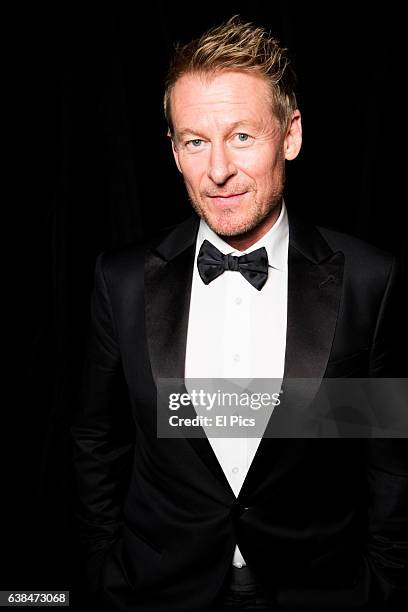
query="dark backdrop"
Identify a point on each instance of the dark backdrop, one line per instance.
(104, 176)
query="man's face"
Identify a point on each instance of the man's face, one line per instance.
(231, 150)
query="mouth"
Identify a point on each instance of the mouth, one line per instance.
(228, 199)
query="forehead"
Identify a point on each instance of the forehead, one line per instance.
(228, 96)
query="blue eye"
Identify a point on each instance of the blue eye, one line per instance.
(195, 142)
(242, 137)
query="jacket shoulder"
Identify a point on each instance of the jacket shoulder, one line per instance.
(129, 259)
(361, 257)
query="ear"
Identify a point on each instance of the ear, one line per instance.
(175, 151)
(293, 138)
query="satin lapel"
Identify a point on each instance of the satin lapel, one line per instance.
(315, 275)
(167, 299)
(168, 280)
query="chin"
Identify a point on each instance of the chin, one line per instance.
(230, 222)
(229, 226)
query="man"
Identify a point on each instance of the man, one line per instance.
(242, 289)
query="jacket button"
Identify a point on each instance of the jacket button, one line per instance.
(237, 508)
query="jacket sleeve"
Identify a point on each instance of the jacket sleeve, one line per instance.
(387, 468)
(101, 435)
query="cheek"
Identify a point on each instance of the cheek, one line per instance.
(193, 173)
(266, 173)
(261, 169)
(259, 162)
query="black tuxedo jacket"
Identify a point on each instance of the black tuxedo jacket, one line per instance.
(322, 522)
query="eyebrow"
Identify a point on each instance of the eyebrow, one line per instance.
(230, 127)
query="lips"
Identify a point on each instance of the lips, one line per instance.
(227, 196)
(228, 200)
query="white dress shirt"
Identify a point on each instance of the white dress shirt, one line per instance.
(236, 331)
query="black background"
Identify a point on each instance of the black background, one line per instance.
(103, 176)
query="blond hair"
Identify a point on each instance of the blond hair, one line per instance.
(235, 45)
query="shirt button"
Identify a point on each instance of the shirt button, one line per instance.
(238, 300)
(238, 564)
(235, 470)
(236, 357)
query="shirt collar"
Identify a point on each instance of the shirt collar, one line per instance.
(275, 241)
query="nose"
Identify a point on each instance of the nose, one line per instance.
(220, 166)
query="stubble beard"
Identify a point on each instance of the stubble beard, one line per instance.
(227, 226)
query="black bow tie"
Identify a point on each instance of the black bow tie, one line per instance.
(253, 266)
